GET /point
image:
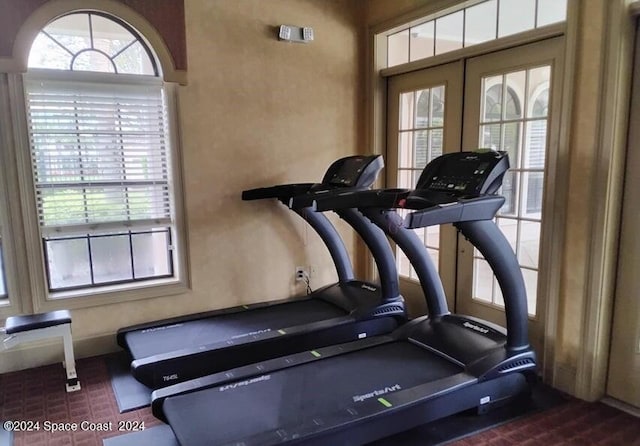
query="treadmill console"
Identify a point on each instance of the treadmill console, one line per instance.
(353, 171)
(465, 174)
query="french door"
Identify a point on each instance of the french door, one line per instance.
(502, 101)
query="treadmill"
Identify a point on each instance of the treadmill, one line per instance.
(427, 369)
(182, 348)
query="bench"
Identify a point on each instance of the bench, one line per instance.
(35, 327)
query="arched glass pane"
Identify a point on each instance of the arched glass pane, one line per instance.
(90, 42)
(72, 31)
(134, 60)
(109, 36)
(93, 61)
(45, 53)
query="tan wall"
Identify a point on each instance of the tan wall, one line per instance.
(256, 111)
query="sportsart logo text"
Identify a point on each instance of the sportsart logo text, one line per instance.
(476, 328)
(245, 383)
(366, 396)
(364, 286)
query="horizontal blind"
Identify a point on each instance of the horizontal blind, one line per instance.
(100, 155)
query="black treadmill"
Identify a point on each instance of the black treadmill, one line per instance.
(174, 350)
(364, 390)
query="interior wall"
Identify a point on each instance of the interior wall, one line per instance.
(255, 112)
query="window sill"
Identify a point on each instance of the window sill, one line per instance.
(112, 294)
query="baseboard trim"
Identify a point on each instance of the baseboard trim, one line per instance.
(620, 405)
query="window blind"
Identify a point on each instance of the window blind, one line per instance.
(100, 154)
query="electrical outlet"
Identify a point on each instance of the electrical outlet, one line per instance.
(302, 272)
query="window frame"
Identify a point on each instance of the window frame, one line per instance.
(41, 298)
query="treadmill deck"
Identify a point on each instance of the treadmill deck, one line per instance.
(303, 394)
(177, 336)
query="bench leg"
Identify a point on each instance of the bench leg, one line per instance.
(73, 384)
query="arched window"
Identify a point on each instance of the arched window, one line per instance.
(90, 41)
(101, 154)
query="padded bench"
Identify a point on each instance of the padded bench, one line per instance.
(41, 326)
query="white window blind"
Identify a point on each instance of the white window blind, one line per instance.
(100, 155)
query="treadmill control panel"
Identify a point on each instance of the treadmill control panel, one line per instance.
(465, 174)
(353, 171)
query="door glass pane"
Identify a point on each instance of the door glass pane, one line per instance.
(516, 16)
(492, 99)
(405, 150)
(513, 105)
(449, 32)
(511, 141)
(422, 108)
(538, 94)
(422, 40)
(437, 106)
(535, 144)
(533, 188)
(482, 281)
(406, 110)
(402, 263)
(436, 136)
(398, 48)
(480, 23)
(421, 150)
(509, 227)
(405, 179)
(528, 245)
(490, 136)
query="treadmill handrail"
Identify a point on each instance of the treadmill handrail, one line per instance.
(471, 209)
(376, 198)
(282, 192)
(308, 198)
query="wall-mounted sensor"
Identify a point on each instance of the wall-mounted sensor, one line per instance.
(295, 33)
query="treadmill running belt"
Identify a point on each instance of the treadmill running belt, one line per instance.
(299, 394)
(163, 339)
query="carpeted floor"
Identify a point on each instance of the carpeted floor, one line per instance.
(575, 423)
(39, 395)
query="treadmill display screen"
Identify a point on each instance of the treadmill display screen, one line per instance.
(463, 174)
(349, 172)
